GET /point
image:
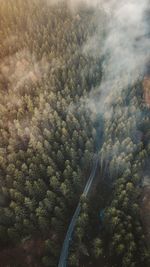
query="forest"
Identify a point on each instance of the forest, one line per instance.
(49, 134)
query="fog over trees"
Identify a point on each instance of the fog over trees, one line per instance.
(71, 85)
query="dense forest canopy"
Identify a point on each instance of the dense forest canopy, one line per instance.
(67, 92)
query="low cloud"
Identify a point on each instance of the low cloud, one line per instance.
(126, 47)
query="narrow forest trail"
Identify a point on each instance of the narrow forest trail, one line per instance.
(65, 247)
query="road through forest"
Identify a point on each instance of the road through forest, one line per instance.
(65, 247)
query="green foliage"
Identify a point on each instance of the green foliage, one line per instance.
(119, 239)
(47, 136)
(125, 156)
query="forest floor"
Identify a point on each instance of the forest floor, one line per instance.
(25, 254)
